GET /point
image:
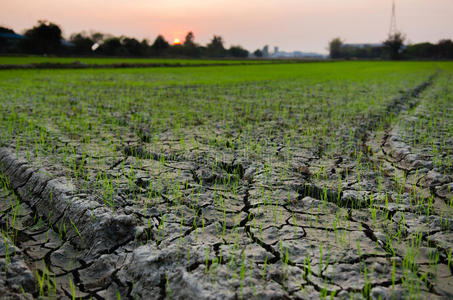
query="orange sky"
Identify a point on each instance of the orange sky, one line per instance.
(305, 25)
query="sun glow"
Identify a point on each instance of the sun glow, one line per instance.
(176, 42)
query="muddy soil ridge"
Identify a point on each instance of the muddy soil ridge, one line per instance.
(81, 65)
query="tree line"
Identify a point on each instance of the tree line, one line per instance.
(392, 48)
(45, 38)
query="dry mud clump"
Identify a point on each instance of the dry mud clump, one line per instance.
(208, 222)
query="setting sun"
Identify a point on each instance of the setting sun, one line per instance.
(176, 42)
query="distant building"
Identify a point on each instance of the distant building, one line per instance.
(295, 54)
(11, 36)
(266, 51)
(9, 41)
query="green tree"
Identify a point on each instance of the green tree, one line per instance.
(394, 45)
(189, 40)
(238, 51)
(215, 48)
(82, 43)
(160, 45)
(258, 53)
(190, 48)
(133, 46)
(112, 46)
(335, 48)
(44, 38)
(445, 49)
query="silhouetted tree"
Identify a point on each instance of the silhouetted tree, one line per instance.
(82, 43)
(215, 47)
(420, 51)
(175, 50)
(44, 38)
(360, 51)
(258, 53)
(237, 51)
(445, 49)
(146, 48)
(6, 30)
(394, 45)
(97, 37)
(112, 46)
(189, 40)
(190, 48)
(160, 45)
(442, 50)
(335, 48)
(133, 47)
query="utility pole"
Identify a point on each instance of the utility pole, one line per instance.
(393, 29)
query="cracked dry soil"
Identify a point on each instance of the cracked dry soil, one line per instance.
(161, 224)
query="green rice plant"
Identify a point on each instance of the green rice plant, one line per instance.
(269, 117)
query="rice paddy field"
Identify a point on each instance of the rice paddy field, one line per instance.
(325, 180)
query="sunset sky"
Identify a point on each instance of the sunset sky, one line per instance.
(305, 25)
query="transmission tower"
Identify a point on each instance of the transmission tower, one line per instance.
(393, 29)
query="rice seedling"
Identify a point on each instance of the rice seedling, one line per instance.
(257, 172)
